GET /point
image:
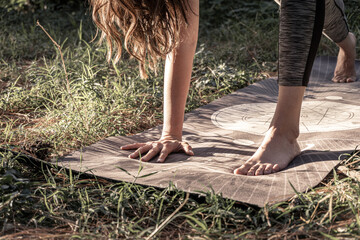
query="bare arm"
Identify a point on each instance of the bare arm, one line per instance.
(177, 76)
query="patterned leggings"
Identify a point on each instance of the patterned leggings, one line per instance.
(301, 25)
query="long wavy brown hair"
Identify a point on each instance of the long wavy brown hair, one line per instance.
(147, 29)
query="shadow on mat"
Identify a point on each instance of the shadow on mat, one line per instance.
(315, 156)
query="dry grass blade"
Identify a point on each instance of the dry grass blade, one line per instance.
(40, 102)
(349, 162)
(61, 55)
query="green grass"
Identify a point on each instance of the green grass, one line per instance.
(40, 117)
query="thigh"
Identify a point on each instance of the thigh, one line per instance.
(336, 27)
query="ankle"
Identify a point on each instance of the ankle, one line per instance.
(291, 133)
(347, 46)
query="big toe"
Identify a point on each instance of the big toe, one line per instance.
(243, 169)
(336, 79)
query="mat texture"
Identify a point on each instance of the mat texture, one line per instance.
(227, 132)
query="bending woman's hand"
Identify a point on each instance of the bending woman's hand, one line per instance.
(177, 78)
(162, 147)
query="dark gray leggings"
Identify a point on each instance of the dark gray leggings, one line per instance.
(301, 25)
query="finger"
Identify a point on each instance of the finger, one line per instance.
(140, 151)
(187, 148)
(163, 154)
(132, 146)
(156, 148)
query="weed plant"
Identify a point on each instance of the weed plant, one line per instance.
(43, 116)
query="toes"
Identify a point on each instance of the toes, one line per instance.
(257, 169)
(339, 79)
(268, 169)
(343, 79)
(253, 170)
(276, 168)
(351, 79)
(260, 170)
(336, 79)
(243, 169)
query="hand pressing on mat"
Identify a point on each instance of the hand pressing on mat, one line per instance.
(177, 76)
(176, 43)
(163, 147)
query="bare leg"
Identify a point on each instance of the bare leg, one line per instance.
(301, 24)
(345, 67)
(280, 145)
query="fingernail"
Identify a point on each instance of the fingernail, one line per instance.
(159, 161)
(191, 151)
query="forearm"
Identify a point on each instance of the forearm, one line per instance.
(178, 68)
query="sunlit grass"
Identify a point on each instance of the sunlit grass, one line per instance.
(40, 117)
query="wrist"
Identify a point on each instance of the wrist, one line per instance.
(171, 136)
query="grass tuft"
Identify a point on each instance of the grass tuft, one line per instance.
(43, 111)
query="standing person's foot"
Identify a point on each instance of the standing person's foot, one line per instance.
(345, 66)
(275, 153)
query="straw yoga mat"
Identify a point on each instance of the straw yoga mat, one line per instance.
(228, 131)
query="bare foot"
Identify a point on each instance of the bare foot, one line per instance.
(345, 66)
(274, 154)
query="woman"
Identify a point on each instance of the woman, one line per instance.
(168, 28)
